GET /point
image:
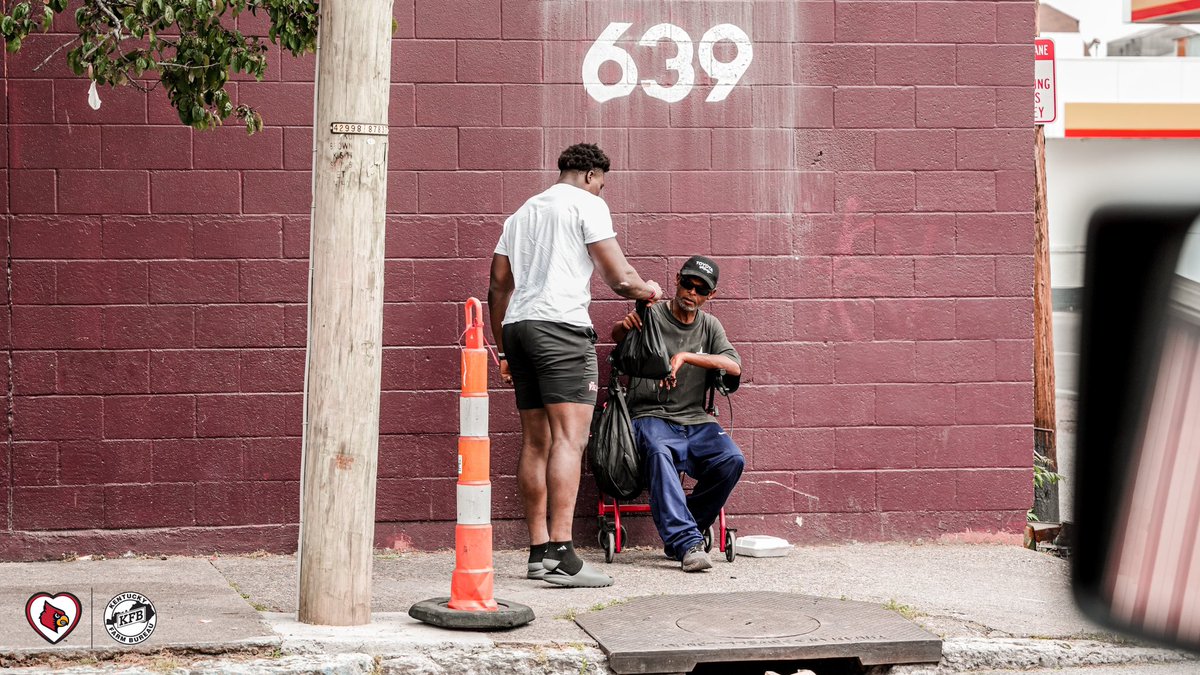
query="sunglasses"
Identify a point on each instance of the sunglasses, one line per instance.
(701, 288)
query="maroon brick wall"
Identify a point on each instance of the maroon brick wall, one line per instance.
(866, 186)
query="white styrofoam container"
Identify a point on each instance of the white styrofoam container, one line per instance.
(762, 546)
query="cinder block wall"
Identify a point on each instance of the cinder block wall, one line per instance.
(866, 185)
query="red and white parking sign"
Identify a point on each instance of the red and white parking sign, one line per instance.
(1045, 101)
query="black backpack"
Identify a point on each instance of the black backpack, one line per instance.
(611, 449)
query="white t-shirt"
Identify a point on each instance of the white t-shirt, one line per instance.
(546, 244)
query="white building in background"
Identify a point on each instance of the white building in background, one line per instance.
(1159, 41)
(1127, 129)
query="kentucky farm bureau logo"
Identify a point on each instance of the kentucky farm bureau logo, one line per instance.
(130, 618)
(53, 616)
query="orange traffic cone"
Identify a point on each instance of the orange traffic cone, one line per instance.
(471, 604)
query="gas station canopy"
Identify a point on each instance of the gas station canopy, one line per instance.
(1163, 11)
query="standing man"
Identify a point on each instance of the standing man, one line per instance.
(673, 431)
(540, 291)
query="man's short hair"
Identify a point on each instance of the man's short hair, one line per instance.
(583, 157)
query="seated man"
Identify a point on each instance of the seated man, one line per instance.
(673, 431)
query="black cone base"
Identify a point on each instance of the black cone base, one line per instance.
(435, 613)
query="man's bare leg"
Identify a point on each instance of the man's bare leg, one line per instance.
(568, 436)
(568, 423)
(532, 471)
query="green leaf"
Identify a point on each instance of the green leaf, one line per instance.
(200, 53)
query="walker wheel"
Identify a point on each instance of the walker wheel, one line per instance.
(709, 536)
(608, 542)
(624, 539)
(730, 540)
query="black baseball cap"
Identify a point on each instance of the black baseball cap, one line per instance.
(702, 268)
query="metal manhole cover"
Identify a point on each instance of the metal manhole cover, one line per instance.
(674, 633)
(748, 623)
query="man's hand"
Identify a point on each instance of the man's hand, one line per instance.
(505, 375)
(656, 292)
(622, 327)
(677, 362)
(631, 321)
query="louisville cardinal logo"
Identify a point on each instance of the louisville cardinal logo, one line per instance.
(53, 616)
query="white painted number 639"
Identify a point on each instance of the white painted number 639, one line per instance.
(726, 74)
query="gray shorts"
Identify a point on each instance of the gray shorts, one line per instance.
(551, 363)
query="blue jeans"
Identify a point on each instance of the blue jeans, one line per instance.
(704, 452)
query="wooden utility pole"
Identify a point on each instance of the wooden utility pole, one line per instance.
(1044, 421)
(345, 311)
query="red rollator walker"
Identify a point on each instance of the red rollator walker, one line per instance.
(612, 535)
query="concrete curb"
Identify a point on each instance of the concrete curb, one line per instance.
(16, 657)
(491, 660)
(503, 661)
(396, 644)
(328, 664)
(971, 654)
(409, 646)
(388, 634)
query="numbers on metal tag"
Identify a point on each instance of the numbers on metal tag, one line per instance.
(355, 128)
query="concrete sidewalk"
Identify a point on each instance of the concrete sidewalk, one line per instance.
(995, 606)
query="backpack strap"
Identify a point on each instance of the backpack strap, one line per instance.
(716, 383)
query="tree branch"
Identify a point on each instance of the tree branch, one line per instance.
(61, 47)
(104, 6)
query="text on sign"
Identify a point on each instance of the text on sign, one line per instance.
(1045, 103)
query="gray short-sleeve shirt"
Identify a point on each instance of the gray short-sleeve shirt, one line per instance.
(683, 404)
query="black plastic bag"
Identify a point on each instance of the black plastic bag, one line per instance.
(643, 353)
(612, 450)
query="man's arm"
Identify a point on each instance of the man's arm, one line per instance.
(721, 356)
(709, 361)
(619, 274)
(500, 291)
(720, 348)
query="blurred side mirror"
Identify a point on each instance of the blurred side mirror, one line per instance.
(1136, 566)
